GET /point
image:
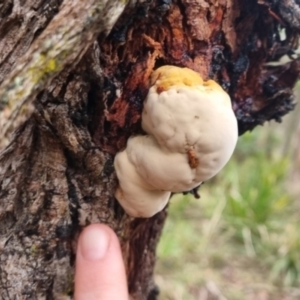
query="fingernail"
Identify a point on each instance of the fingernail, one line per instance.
(94, 244)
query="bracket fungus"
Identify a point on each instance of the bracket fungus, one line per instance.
(191, 134)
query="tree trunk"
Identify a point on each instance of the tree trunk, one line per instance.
(73, 84)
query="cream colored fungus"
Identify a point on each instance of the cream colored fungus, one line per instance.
(192, 133)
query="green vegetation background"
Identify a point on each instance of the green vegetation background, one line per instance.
(241, 240)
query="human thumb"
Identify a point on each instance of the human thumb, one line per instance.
(100, 272)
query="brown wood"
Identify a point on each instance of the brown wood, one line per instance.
(57, 172)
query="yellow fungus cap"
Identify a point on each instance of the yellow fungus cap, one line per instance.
(167, 76)
(191, 134)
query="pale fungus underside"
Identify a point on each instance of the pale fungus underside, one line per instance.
(192, 132)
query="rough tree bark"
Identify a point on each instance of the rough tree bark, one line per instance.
(87, 77)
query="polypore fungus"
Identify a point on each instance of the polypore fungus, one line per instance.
(192, 132)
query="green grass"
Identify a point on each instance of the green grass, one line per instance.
(242, 237)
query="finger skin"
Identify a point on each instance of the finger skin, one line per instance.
(100, 272)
